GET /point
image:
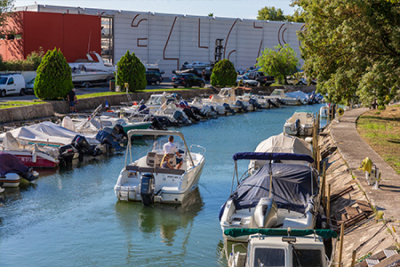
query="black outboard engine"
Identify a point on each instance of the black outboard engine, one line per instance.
(196, 111)
(156, 124)
(243, 108)
(190, 115)
(228, 109)
(147, 189)
(280, 101)
(66, 153)
(271, 103)
(254, 102)
(84, 148)
(181, 120)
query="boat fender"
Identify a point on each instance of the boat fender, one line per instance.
(34, 156)
(266, 213)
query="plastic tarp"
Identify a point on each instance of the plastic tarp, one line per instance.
(11, 164)
(284, 143)
(47, 132)
(291, 187)
(272, 156)
(324, 233)
(298, 94)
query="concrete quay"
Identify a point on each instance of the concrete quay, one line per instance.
(343, 150)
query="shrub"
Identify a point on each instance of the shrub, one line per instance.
(30, 64)
(224, 74)
(131, 71)
(53, 79)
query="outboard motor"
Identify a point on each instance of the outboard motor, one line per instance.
(81, 144)
(228, 109)
(266, 213)
(254, 102)
(297, 125)
(198, 112)
(271, 103)
(181, 120)
(190, 115)
(147, 189)
(155, 124)
(243, 108)
(280, 101)
(142, 109)
(66, 154)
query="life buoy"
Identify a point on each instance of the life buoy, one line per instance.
(340, 111)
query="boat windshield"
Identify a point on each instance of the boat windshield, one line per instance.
(276, 93)
(3, 80)
(270, 257)
(306, 257)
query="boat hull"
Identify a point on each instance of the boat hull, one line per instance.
(10, 180)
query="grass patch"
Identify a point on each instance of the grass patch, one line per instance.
(13, 104)
(381, 130)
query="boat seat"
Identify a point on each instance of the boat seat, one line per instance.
(151, 159)
(169, 171)
(132, 168)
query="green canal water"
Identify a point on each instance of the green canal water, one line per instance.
(71, 217)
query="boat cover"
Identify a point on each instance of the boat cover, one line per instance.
(272, 156)
(284, 143)
(299, 95)
(291, 187)
(324, 233)
(47, 132)
(11, 164)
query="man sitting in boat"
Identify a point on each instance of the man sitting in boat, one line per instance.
(165, 162)
(170, 148)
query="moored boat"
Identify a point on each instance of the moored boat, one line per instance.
(278, 195)
(301, 123)
(144, 180)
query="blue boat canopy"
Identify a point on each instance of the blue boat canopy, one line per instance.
(324, 233)
(272, 156)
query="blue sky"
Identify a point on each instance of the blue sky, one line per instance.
(220, 8)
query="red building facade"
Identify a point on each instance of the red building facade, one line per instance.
(74, 34)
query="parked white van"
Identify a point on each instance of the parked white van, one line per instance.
(12, 84)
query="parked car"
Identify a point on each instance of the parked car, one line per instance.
(153, 77)
(12, 84)
(260, 77)
(29, 86)
(187, 80)
(244, 80)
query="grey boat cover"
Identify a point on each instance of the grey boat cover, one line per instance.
(291, 187)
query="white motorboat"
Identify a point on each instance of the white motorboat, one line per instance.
(143, 180)
(12, 169)
(278, 195)
(209, 110)
(303, 97)
(82, 76)
(281, 143)
(324, 112)
(92, 65)
(289, 101)
(301, 123)
(267, 102)
(228, 95)
(281, 247)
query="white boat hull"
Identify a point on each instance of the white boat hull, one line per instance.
(10, 180)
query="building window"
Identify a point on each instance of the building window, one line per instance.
(107, 39)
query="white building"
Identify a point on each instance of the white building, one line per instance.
(172, 39)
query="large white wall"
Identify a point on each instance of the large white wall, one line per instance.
(171, 39)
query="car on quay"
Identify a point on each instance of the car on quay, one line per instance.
(187, 80)
(259, 76)
(153, 77)
(245, 81)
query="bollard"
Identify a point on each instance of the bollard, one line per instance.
(353, 258)
(328, 205)
(341, 244)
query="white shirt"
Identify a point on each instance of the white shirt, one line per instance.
(169, 148)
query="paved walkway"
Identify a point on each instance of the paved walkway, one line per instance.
(354, 149)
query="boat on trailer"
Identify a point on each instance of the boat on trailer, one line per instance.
(143, 180)
(277, 195)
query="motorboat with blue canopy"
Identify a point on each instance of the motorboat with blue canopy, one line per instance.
(277, 195)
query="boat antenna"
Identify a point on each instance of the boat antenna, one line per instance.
(270, 179)
(237, 177)
(90, 37)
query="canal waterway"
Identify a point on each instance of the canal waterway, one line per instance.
(72, 218)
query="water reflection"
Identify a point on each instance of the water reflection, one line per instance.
(167, 219)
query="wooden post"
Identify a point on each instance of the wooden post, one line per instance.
(323, 191)
(328, 205)
(353, 258)
(341, 244)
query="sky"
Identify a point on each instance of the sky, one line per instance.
(220, 8)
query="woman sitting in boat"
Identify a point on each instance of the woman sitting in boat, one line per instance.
(165, 162)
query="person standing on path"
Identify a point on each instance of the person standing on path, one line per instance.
(71, 97)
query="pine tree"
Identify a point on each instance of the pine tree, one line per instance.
(224, 74)
(53, 79)
(132, 72)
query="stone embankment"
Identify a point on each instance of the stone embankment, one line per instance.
(371, 216)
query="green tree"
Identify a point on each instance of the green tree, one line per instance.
(353, 48)
(132, 72)
(271, 13)
(223, 74)
(279, 62)
(53, 79)
(5, 10)
(210, 14)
